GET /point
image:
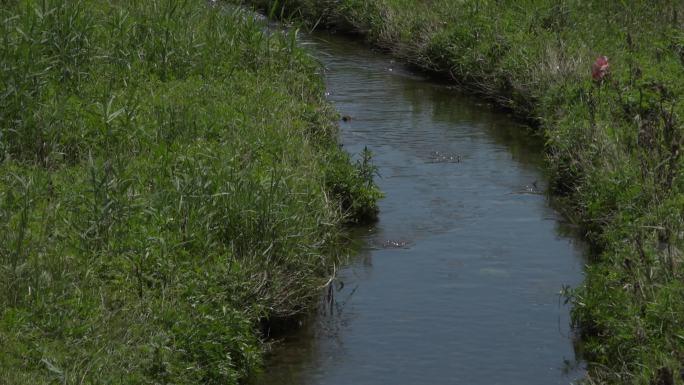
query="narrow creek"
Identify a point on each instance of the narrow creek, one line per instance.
(459, 281)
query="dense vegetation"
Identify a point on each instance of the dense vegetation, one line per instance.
(614, 144)
(169, 179)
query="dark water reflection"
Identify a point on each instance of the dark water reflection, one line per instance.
(473, 298)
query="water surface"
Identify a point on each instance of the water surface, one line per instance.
(459, 281)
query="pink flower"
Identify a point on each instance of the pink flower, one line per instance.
(600, 68)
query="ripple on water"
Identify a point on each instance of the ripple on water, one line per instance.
(459, 282)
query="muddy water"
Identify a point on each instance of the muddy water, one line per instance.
(459, 281)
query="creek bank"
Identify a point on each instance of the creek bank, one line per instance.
(614, 146)
(169, 177)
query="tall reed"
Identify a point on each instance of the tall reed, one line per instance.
(166, 175)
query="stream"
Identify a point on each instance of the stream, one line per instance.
(459, 281)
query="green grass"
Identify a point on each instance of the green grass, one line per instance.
(169, 179)
(615, 147)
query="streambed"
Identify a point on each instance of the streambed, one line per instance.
(459, 281)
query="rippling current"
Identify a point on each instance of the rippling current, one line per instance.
(459, 281)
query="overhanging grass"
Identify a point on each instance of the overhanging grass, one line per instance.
(169, 177)
(615, 147)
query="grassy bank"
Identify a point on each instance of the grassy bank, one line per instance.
(615, 144)
(169, 179)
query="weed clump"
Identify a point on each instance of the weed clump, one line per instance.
(169, 178)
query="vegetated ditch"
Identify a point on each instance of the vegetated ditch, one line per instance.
(465, 268)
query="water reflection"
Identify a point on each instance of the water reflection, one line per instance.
(471, 297)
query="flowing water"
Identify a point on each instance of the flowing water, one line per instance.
(459, 281)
